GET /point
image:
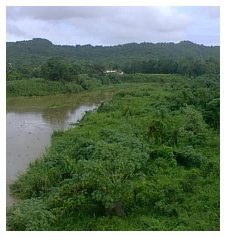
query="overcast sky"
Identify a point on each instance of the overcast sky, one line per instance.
(114, 25)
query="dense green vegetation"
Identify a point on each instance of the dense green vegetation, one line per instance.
(39, 87)
(34, 52)
(82, 82)
(146, 160)
(39, 58)
(188, 67)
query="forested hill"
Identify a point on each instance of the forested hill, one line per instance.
(37, 50)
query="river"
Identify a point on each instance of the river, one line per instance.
(30, 123)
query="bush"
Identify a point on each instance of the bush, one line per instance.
(165, 152)
(29, 215)
(188, 157)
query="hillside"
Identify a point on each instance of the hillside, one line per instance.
(36, 51)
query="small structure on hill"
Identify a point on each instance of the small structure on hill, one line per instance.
(114, 72)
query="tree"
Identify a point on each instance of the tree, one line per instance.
(212, 112)
(157, 130)
(55, 69)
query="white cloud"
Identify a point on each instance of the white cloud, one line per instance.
(101, 25)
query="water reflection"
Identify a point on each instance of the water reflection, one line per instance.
(56, 117)
(64, 117)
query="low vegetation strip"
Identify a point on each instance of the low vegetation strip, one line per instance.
(146, 160)
(42, 87)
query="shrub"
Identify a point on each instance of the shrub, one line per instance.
(29, 215)
(188, 157)
(165, 152)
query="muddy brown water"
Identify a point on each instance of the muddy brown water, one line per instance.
(30, 123)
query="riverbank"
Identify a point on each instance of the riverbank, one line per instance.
(30, 122)
(142, 161)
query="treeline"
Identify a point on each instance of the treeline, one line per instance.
(53, 69)
(188, 67)
(56, 69)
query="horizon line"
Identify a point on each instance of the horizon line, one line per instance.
(99, 45)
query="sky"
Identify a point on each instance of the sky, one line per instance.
(114, 25)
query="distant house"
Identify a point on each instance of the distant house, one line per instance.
(114, 72)
(110, 71)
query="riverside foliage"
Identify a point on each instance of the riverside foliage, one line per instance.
(146, 160)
